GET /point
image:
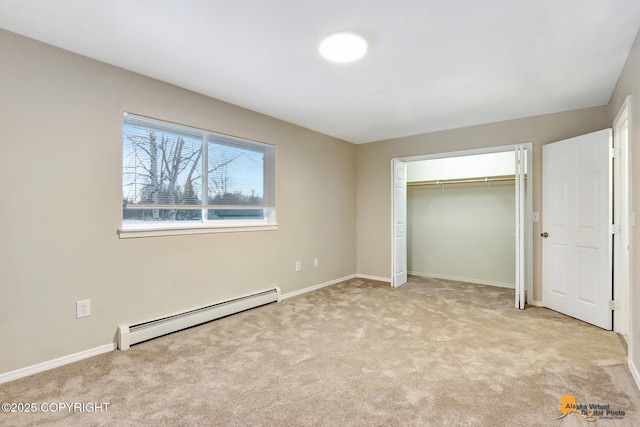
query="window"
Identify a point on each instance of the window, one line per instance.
(180, 178)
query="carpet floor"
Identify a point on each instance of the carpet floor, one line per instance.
(430, 353)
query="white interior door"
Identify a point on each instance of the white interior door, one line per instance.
(399, 229)
(576, 244)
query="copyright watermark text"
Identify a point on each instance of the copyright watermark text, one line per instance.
(55, 407)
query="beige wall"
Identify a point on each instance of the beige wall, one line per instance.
(60, 120)
(629, 84)
(374, 173)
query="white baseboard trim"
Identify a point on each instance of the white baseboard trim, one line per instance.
(536, 303)
(316, 287)
(378, 278)
(635, 373)
(64, 360)
(463, 279)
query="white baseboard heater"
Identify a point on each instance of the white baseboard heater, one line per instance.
(129, 335)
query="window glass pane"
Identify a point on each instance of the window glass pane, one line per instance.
(160, 168)
(168, 176)
(236, 175)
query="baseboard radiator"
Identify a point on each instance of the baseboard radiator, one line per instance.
(129, 335)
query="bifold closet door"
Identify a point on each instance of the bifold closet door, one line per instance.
(399, 229)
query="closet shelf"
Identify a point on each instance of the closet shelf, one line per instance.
(464, 181)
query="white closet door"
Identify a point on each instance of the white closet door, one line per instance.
(399, 229)
(520, 226)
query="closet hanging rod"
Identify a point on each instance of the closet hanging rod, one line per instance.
(464, 181)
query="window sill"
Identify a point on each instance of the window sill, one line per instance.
(130, 233)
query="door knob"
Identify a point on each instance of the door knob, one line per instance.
(545, 234)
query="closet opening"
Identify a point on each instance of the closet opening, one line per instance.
(465, 216)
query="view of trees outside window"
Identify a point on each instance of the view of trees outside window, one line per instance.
(165, 178)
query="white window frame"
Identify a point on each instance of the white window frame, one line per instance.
(205, 225)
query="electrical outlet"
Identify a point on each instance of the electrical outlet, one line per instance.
(298, 266)
(83, 308)
(315, 262)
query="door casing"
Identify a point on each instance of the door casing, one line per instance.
(622, 217)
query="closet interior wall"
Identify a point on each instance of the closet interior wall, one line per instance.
(462, 231)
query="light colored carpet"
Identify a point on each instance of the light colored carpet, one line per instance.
(360, 353)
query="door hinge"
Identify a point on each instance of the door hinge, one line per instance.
(613, 306)
(615, 153)
(614, 229)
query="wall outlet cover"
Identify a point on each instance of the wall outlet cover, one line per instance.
(83, 308)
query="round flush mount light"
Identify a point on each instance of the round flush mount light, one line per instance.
(343, 46)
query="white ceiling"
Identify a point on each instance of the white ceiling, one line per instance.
(431, 65)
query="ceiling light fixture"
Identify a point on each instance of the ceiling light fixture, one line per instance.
(343, 46)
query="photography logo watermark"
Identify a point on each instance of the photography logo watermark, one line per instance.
(590, 412)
